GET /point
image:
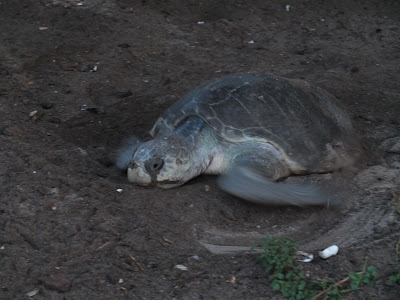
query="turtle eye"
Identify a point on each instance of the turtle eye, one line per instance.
(155, 164)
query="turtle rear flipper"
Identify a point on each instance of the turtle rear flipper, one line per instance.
(247, 184)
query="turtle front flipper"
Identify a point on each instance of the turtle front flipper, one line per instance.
(248, 184)
(255, 167)
(125, 152)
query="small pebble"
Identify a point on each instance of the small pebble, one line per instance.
(47, 105)
(33, 293)
(328, 252)
(181, 267)
(231, 280)
(82, 151)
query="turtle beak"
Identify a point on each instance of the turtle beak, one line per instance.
(137, 175)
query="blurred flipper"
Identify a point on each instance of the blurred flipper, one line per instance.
(245, 183)
(126, 151)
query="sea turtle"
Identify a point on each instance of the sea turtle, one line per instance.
(253, 129)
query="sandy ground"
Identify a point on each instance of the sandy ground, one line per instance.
(77, 79)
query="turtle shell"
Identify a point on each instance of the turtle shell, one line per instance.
(305, 123)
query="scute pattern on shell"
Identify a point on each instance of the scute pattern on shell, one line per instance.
(304, 122)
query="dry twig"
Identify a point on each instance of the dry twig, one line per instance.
(137, 263)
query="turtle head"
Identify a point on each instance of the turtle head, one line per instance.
(164, 162)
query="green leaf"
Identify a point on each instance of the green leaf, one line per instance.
(275, 286)
(302, 285)
(371, 269)
(354, 276)
(395, 278)
(354, 285)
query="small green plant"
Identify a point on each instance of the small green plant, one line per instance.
(284, 276)
(395, 278)
(277, 260)
(278, 253)
(329, 288)
(367, 277)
